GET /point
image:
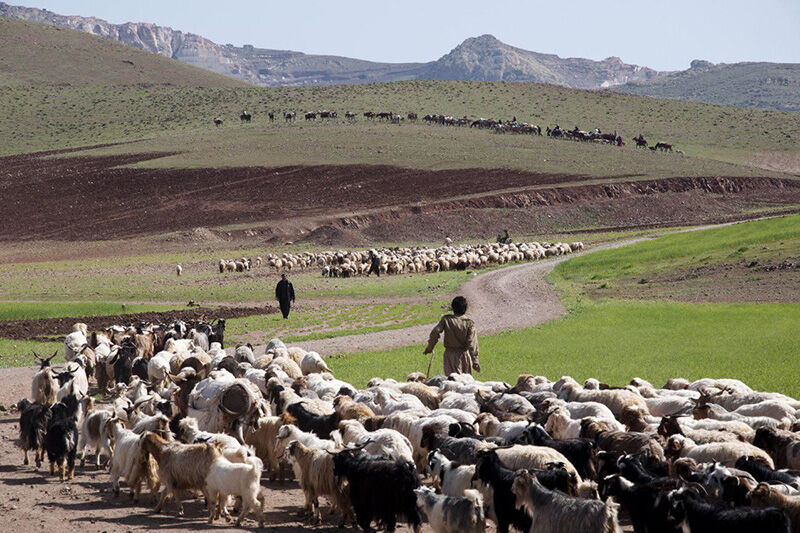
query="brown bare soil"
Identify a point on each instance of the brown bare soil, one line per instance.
(93, 198)
(43, 329)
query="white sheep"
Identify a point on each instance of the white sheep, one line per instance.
(726, 453)
(386, 442)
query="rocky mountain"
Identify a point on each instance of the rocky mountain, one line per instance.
(486, 58)
(483, 58)
(764, 85)
(478, 58)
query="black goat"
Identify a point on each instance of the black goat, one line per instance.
(33, 421)
(139, 368)
(647, 505)
(463, 450)
(756, 467)
(123, 361)
(217, 332)
(490, 471)
(61, 439)
(582, 453)
(462, 430)
(320, 425)
(380, 489)
(229, 363)
(633, 469)
(688, 509)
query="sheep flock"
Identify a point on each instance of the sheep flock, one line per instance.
(408, 260)
(187, 418)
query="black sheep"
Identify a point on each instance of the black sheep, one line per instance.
(33, 421)
(381, 490)
(61, 439)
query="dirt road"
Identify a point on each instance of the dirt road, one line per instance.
(509, 298)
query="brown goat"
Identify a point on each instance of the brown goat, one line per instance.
(180, 466)
(765, 496)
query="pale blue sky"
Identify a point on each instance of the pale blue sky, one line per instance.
(662, 34)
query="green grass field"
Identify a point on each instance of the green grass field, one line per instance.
(742, 242)
(180, 118)
(36, 310)
(616, 340)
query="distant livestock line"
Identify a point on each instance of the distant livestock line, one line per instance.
(513, 126)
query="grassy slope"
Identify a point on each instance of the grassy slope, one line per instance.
(616, 340)
(681, 251)
(56, 117)
(762, 85)
(40, 54)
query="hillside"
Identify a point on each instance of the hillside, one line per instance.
(481, 58)
(40, 54)
(762, 85)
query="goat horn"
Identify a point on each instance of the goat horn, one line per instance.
(226, 410)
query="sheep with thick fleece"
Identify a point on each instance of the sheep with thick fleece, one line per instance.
(616, 400)
(288, 365)
(313, 363)
(561, 426)
(231, 449)
(429, 396)
(313, 469)
(349, 409)
(386, 442)
(528, 457)
(158, 368)
(75, 341)
(461, 401)
(579, 410)
(717, 412)
(288, 433)
(726, 453)
(452, 514)
(390, 402)
(225, 479)
(490, 426)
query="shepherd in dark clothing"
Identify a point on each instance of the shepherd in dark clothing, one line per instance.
(374, 263)
(284, 292)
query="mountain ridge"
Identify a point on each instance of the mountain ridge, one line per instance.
(497, 61)
(482, 58)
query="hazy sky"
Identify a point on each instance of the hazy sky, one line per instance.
(662, 34)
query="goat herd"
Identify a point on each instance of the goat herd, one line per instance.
(186, 417)
(495, 125)
(346, 264)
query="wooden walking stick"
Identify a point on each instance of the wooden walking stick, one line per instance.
(428, 373)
